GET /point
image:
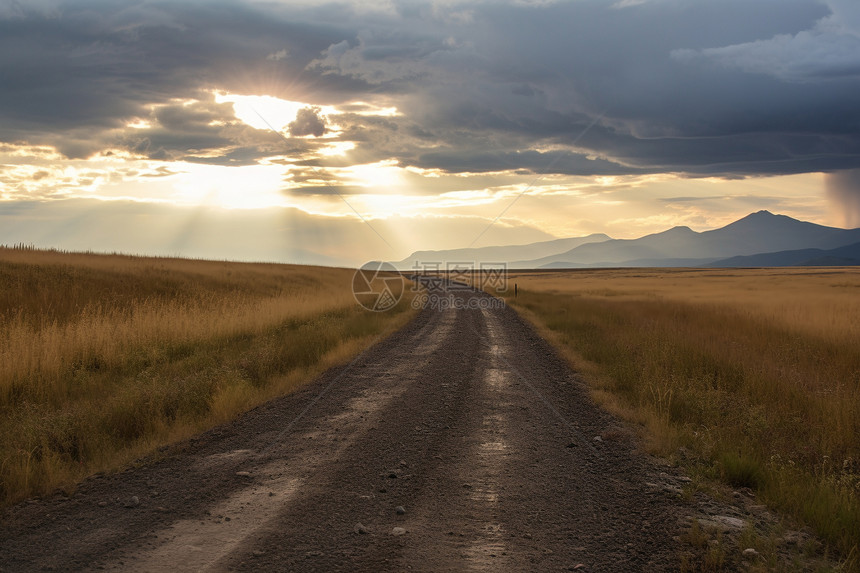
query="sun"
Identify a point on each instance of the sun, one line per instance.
(266, 112)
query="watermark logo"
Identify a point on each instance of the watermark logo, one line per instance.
(377, 286)
(438, 278)
(453, 302)
(441, 286)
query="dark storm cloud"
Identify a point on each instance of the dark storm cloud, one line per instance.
(727, 88)
(528, 161)
(540, 74)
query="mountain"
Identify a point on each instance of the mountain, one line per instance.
(759, 239)
(497, 254)
(633, 263)
(848, 255)
(656, 246)
(761, 232)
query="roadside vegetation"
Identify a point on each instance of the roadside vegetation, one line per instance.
(104, 358)
(751, 377)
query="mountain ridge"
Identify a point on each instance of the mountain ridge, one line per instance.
(759, 233)
(848, 255)
(496, 254)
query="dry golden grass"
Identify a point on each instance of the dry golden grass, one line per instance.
(103, 358)
(749, 376)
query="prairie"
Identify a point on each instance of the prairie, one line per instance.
(104, 358)
(748, 376)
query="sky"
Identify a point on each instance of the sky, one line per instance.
(343, 132)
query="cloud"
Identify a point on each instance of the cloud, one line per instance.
(627, 4)
(695, 88)
(73, 78)
(308, 122)
(278, 56)
(829, 50)
(485, 87)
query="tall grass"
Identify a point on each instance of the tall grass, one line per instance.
(103, 358)
(753, 375)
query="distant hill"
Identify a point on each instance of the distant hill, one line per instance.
(759, 239)
(848, 255)
(667, 263)
(501, 254)
(761, 232)
(657, 246)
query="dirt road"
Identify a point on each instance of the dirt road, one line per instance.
(461, 443)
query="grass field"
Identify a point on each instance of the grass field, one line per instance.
(751, 376)
(105, 358)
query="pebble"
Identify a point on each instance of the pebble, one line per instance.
(243, 474)
(400, 510)
(360, 529)
(598, 439)
(133, 501)
(750, 552)
(102, 503)
(398, 531)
